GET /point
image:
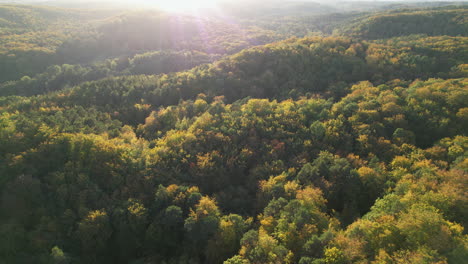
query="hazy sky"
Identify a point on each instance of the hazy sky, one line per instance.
(153, 3)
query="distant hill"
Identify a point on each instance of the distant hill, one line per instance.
(33, 38)
(433, 22)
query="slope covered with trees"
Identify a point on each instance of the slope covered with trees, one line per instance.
(432, 22)
(30, 36)
(199, 148)
(291, 68)
(30, 43)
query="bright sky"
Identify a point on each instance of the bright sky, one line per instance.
(186, 5)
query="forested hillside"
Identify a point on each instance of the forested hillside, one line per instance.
(286, 134)
(30, 43)
(433, 22)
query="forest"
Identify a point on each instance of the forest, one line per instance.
(270, 133)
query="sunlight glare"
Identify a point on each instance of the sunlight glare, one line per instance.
(185, 5)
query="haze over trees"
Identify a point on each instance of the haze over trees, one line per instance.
(286, 133)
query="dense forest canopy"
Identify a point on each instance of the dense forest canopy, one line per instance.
(254, 133)
(432, 22)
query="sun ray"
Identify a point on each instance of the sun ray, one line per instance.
(186, 5)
